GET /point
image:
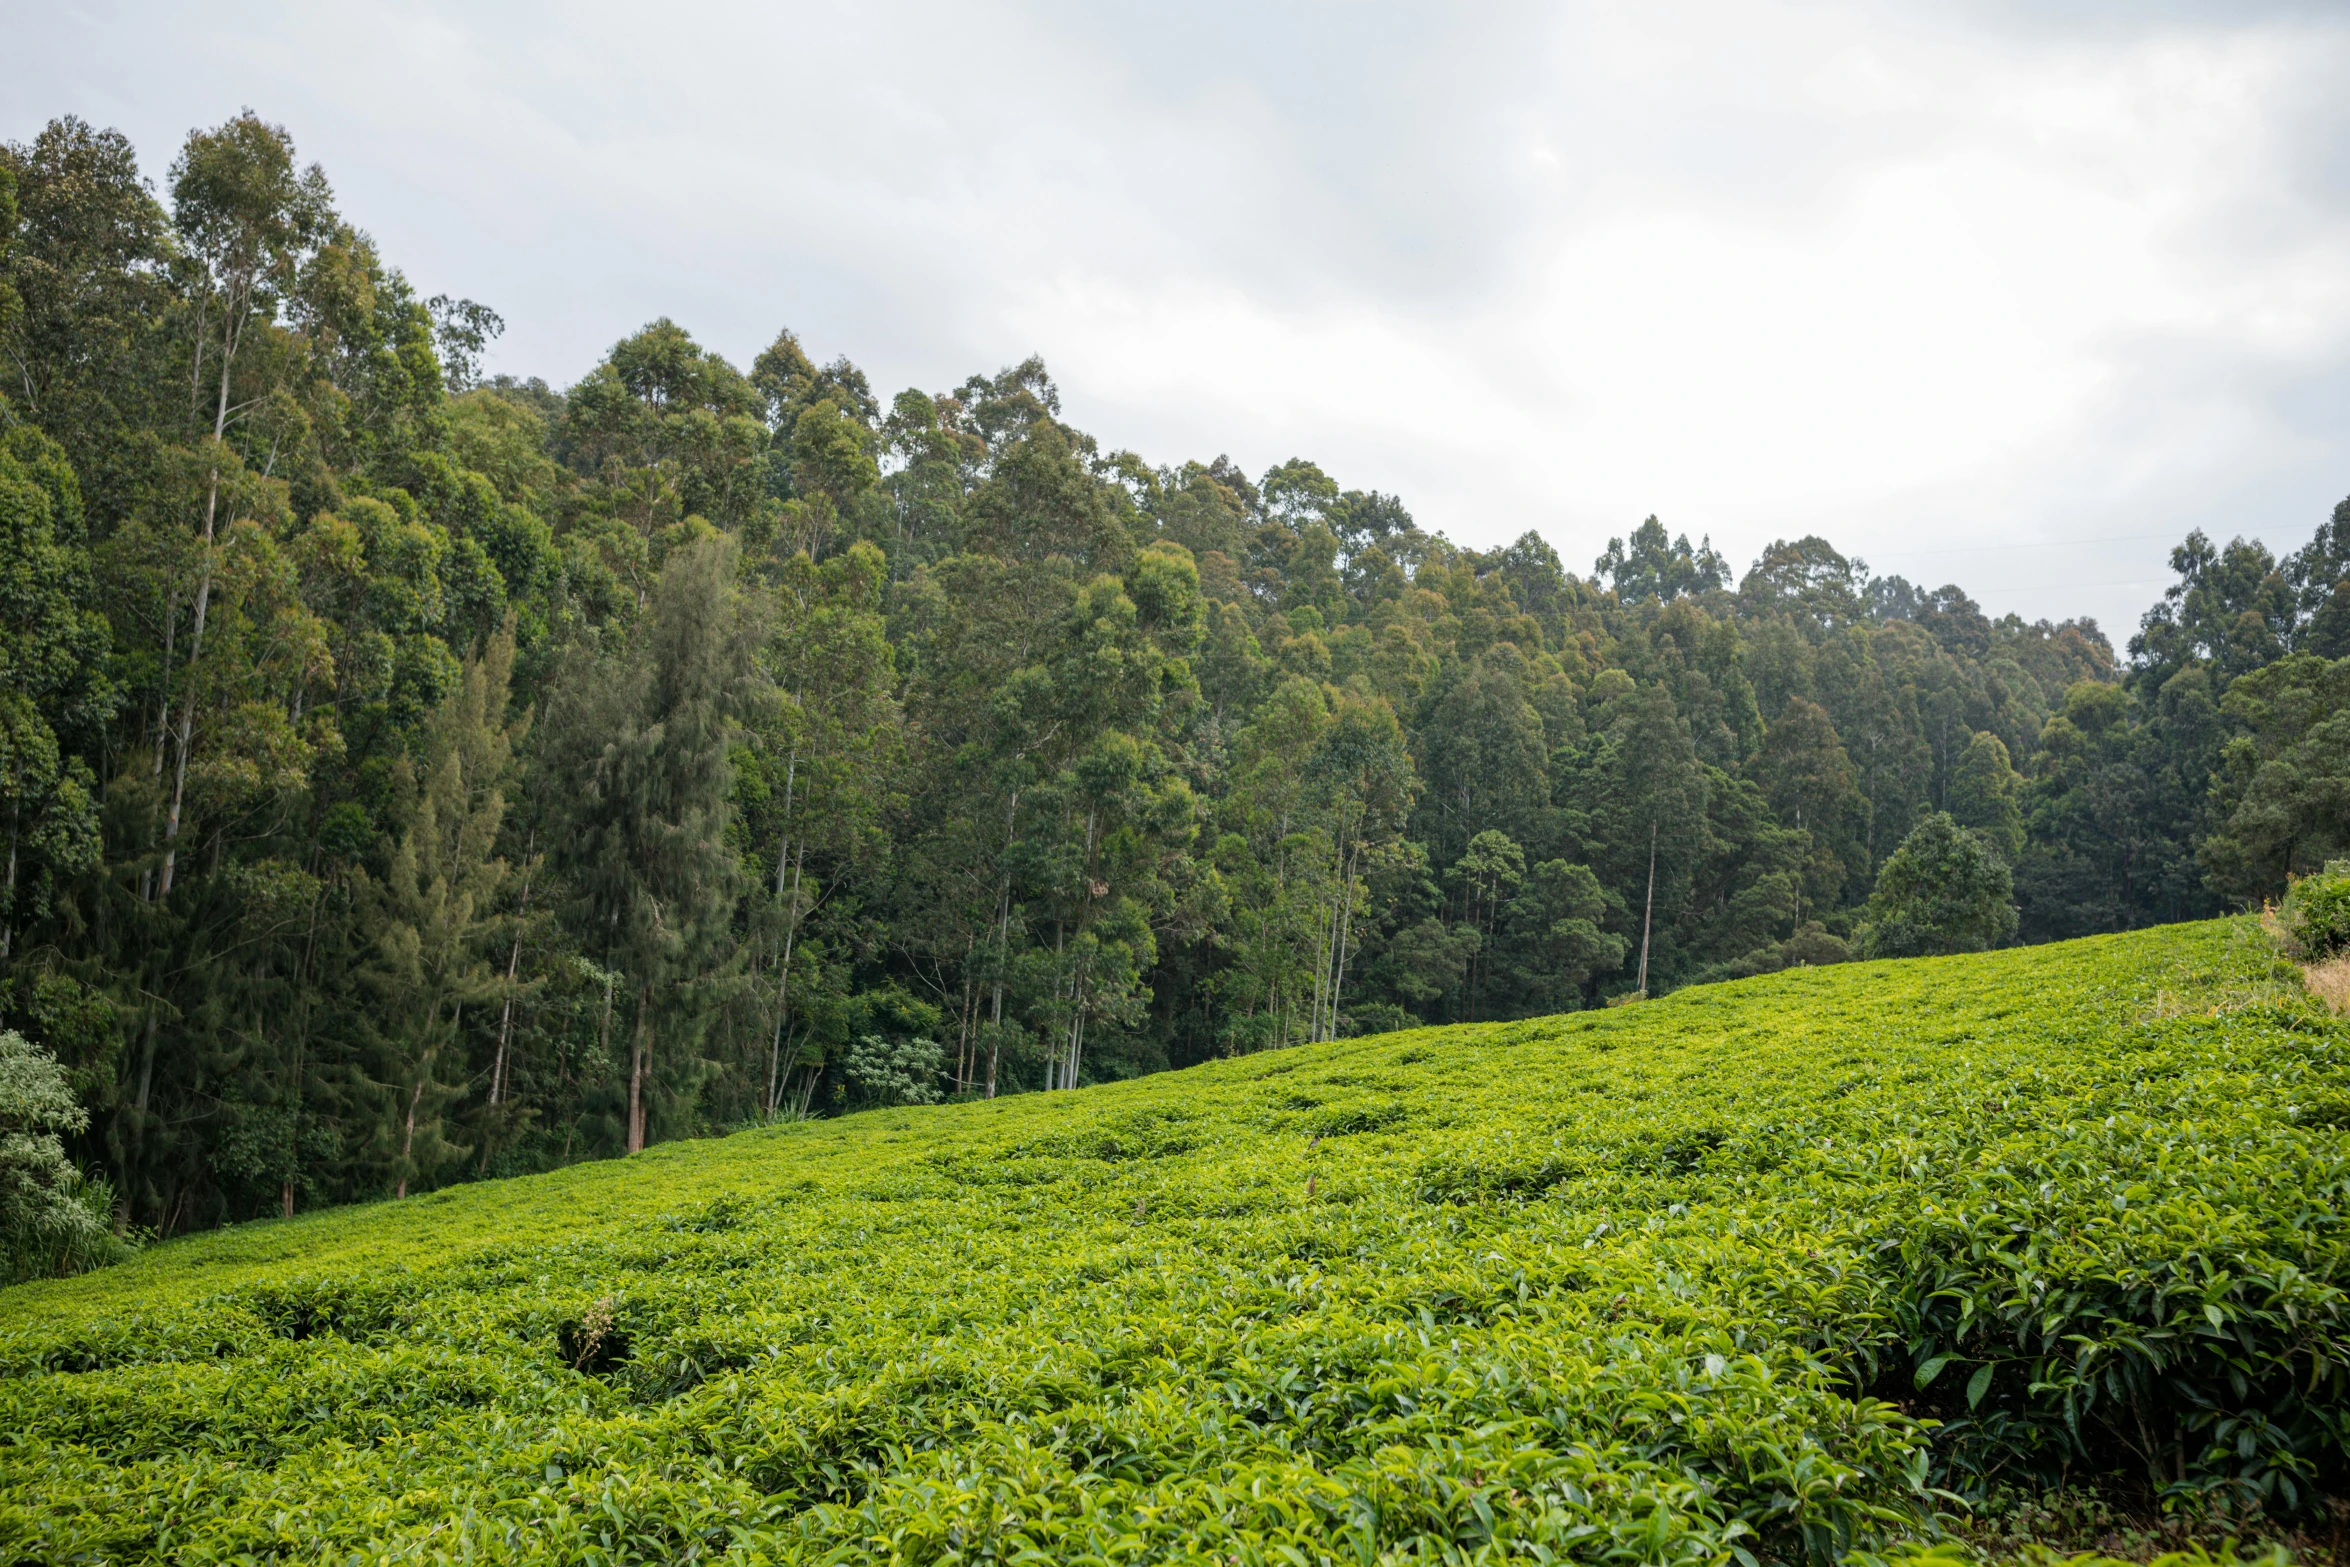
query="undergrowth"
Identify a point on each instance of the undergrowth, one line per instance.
(1987, 1255)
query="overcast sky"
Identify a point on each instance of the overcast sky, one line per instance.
(2010, 295)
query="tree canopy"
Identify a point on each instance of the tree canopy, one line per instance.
(1944, 890)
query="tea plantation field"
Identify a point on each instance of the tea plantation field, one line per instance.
(1766, 1271)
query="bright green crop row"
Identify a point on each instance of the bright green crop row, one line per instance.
(1744, 1274)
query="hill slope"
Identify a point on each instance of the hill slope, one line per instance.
(1674, 1282)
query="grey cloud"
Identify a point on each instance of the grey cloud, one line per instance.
(1325, 195)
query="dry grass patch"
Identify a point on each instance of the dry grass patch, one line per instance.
(2329, 981)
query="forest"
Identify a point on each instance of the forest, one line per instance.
(413, 775)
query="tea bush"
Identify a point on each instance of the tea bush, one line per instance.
(1772, 1270)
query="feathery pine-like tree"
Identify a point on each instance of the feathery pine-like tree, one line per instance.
(637, 756)
(435, 916)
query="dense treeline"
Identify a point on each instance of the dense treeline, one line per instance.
(409, 777)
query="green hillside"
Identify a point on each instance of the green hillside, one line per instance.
(1689, 1282)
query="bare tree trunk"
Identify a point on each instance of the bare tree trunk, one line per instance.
(408, 1138)
(771, 1096)
(179, 781)
(1003, 938)
(1324, 917)
(636, 1072)
(1346, 904)
(171, 626)
(171, 619)
(995, 1037)
(791, 926)
(791, 934)
(791, 772)
(966, 1022)
(995, 1006)
(603, 1043)
(513, 970)
(8, 896)
(147, 1057)
(187, 726)
(1648, 913)
(196, 364)
(1060, 1046)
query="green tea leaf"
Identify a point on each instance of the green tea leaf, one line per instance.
(1977, 1385)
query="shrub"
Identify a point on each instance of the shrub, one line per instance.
(52, 1221)
(1811, 945)
(1376, 1017)
(894, 1071)
(2316, 911)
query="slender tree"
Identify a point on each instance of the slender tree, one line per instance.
(247, 219)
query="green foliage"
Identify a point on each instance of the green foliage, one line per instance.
(893, 1071)
(53, 650)
(1944, 890)
(52, 1220)
(843, 706)
(2283, 780)
(432, 918)
(2120, 797)
(2316, 911)
(1654, 568)
(642, 736)
(1766, 1270)
(1983, 796)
